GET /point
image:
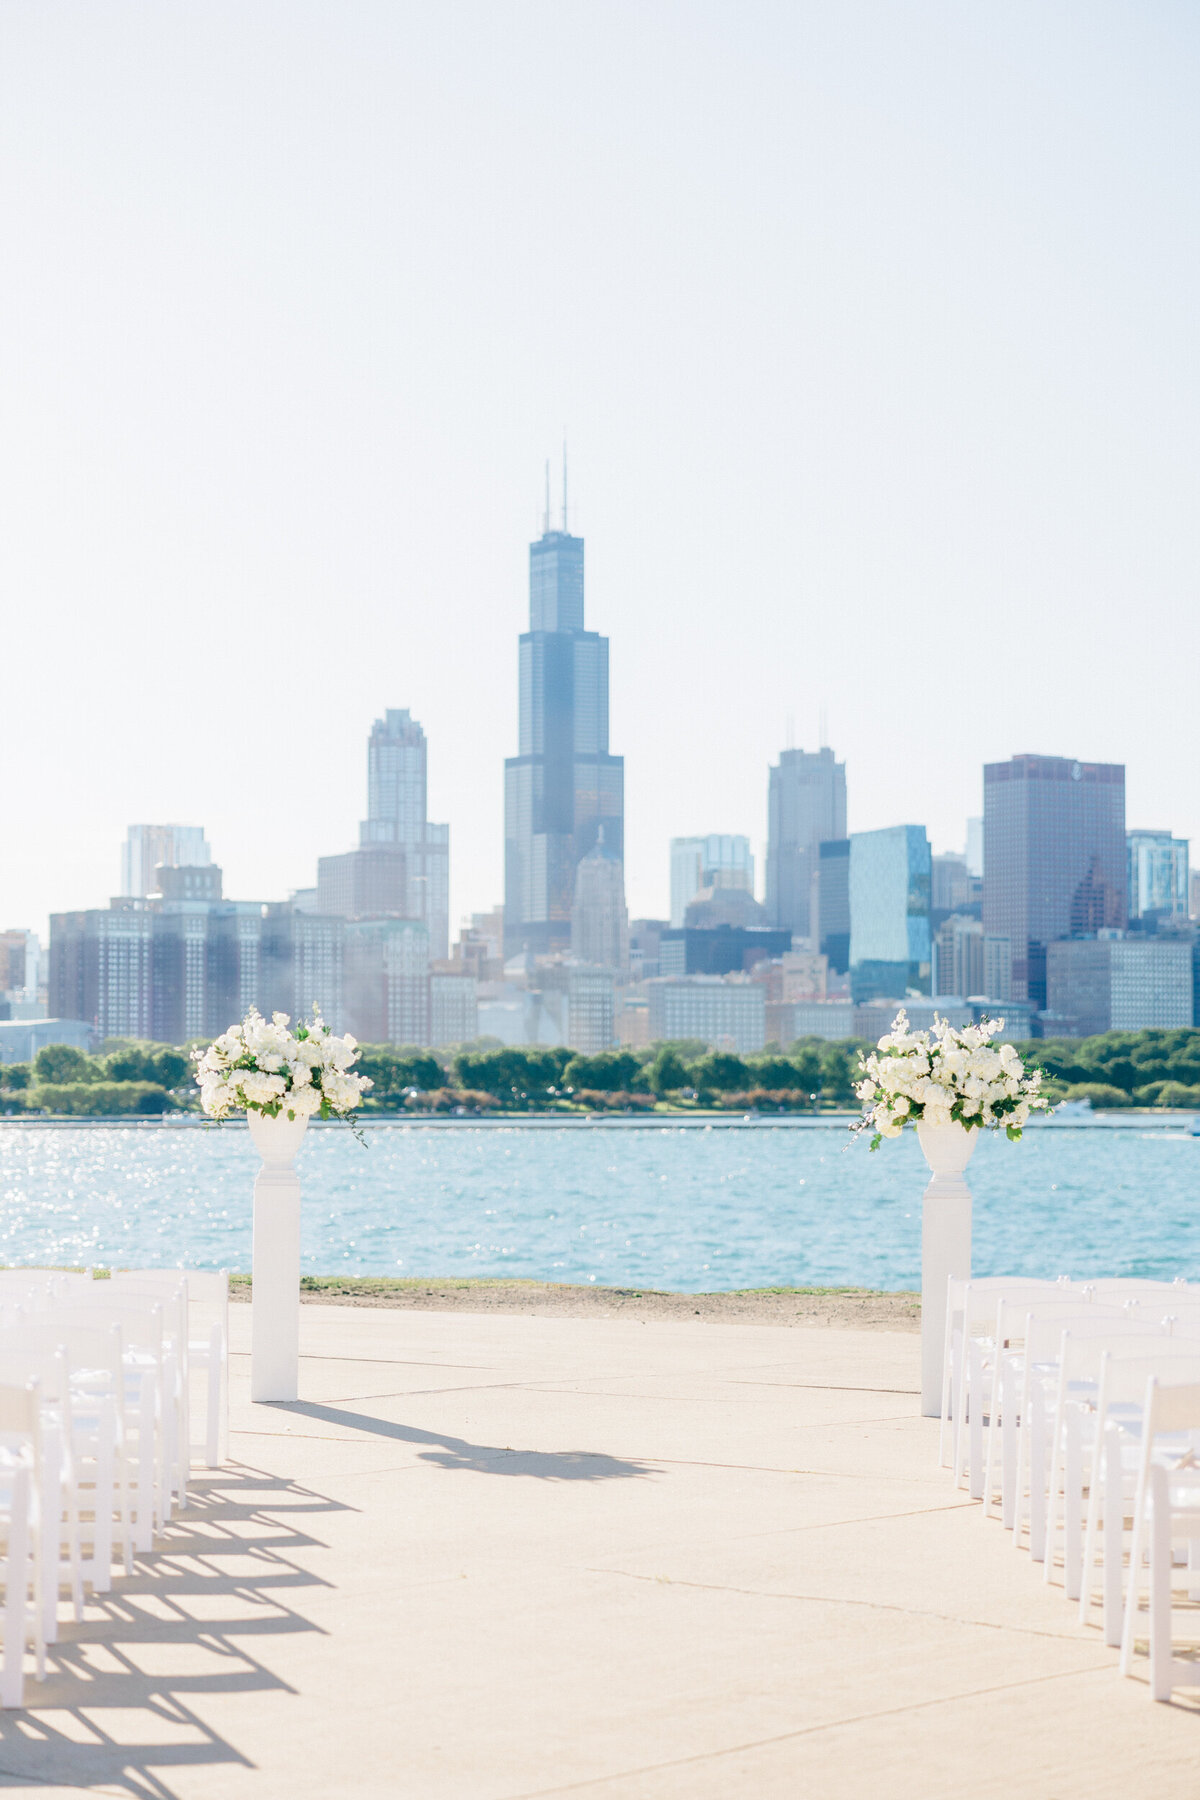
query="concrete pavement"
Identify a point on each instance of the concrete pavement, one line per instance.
(500, 1558)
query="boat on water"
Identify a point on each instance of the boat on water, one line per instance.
(1068, 1111)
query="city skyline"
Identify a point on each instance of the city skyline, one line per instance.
(399, 719)
(871, 335)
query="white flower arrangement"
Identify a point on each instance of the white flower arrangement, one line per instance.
(265, 1067)
(945, 1076)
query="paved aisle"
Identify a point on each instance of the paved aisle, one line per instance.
(498, 1558)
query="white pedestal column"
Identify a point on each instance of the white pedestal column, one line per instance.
(275, 1306)
(945, 1246)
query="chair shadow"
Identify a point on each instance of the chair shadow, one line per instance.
(484, 1459)
(187, 1604)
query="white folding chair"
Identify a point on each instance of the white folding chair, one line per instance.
(1166, 1512)
(1072, 1432)
(953, 1355)
(1029, 1340)
(1117, 1289)
(169, 1288)
(976, 1388)
(1115, 1456)
(60, 1555)
(147, 1392)
(22, 1611)
(98, 1441)
(208, 1344)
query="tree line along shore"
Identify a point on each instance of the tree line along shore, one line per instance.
(1159, 1069)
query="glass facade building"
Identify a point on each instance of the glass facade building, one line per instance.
(806, 805)
(1158, 875)
(890, 945)
(715, 861)
(1054, 858)
(563, 786)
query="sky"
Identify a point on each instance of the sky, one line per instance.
(871, 326)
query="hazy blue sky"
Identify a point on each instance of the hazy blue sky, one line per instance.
(873, 328)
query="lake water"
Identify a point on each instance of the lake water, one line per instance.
(672, 1207)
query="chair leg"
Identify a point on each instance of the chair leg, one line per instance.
(216, 1372)
(1114, 1542)
(1035, 1438)
(975, 1426)
(1133, 1599)
(1160, 1586)
(1010, 1498)
(16, 1595)
(1072, 1507)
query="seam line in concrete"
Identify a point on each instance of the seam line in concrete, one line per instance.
(823, 1387)
(784, 1737)
(889, 1606)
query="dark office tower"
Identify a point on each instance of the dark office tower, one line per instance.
(1054, 858)
(830, 925)
(563, 786)
(806, 806)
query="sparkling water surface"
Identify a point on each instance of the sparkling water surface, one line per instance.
(677, 1207)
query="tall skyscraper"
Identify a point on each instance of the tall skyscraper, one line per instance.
(1053, 858)
(563, 785)
(148, 846)
(715, 861)
(806, 806)
(401, 869)
(890, 943)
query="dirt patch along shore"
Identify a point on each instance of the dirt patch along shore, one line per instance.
(859, 1308)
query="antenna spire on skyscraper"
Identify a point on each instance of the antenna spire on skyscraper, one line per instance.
(546, 522)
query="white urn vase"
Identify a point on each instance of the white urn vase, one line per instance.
(945, 1246)
(275, 1307)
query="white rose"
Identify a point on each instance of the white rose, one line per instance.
(303, 1102)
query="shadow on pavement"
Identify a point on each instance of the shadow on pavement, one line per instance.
(485, 1459)
(195, 1617)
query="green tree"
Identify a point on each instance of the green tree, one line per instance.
(666, 1074)
(837, 1064)
(129, 1063)
(610, 1071)
(63, 1062)
(721, 1073)
(686, 1049)
(169, 1068)
(774, 1073)
(393, 1071)
(15, 1075)
(103, 1099)
(1100, 1093)
(1177, 1093)
(511, 1075)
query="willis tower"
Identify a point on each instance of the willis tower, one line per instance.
(563, 792)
